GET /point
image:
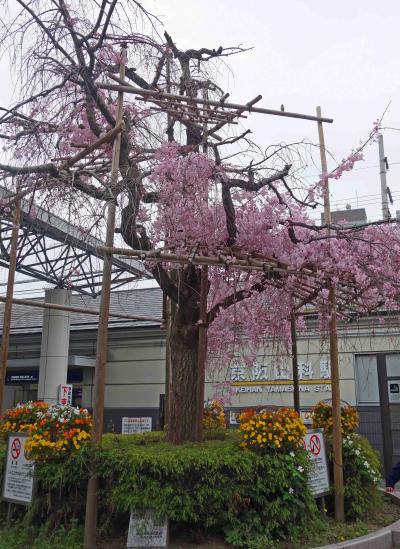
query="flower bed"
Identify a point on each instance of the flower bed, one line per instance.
(253, 490)
(251, 499)
(267, 431)
(54, 430)
(322, 418)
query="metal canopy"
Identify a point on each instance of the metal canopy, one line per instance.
(57, 252)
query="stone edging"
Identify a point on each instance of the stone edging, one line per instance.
(385, 538)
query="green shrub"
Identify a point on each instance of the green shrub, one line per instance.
(252, 499)
(361, 472)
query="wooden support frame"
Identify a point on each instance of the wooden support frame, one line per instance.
(90, 533)
(81, 310)
(5, 338)
(253, 263)
(126, 88)
(295, 364)
(333, 348)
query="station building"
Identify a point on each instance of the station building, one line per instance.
(43, 341)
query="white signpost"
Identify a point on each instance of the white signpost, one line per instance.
(146, 531)
(18, 475)
(136, 425)
(65, 394)
(394, 390)
(314, 443)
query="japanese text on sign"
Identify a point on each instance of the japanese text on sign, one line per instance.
(65, 395)
(146, 531)
(318, 480)
(136, 425)
(280, 371)
(18, 476)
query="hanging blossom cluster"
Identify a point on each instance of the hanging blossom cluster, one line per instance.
(262, 316)
(188, 214)
(356, 155)
(346, 165)
(368, 260)
(62, 125)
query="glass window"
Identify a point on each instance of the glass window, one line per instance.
(393, 365)
(366, 373)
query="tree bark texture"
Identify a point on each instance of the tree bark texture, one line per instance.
(184, 408)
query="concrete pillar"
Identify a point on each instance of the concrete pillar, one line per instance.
(55, 346)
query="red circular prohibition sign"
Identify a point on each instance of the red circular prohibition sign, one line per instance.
(15, 448)
(315, 445)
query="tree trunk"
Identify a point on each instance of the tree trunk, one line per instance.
(184, 408)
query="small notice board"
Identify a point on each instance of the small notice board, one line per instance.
(314, 443)
(136, 425)
(394, 391)
(18, 476)
(146, 531)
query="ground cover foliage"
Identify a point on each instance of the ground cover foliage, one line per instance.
(251, 499)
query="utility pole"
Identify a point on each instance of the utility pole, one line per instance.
(382, 172)
(333, 348)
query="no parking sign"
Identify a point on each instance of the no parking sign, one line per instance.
(318, 480)
(18, 477)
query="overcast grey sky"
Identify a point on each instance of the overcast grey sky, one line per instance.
(342, 55)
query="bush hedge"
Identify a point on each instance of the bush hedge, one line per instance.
(252, 499)
(361, 473)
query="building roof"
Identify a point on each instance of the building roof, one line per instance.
(348, 217)
(141, 302)
(62, 254)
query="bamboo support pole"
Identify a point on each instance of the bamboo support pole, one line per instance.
(190, 118)
(333, 346)
(237, 106)
(102, 334)
(206, 112)
(220, 261)
(5, 339)
(168, 302)
(295, 364)
(202, 341)
(202, 350)
(234, 114)
(72, 309)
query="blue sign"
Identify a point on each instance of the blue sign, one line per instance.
(19, 378)
(74, 376)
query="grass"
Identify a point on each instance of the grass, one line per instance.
(333, 532)
(18, 536)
